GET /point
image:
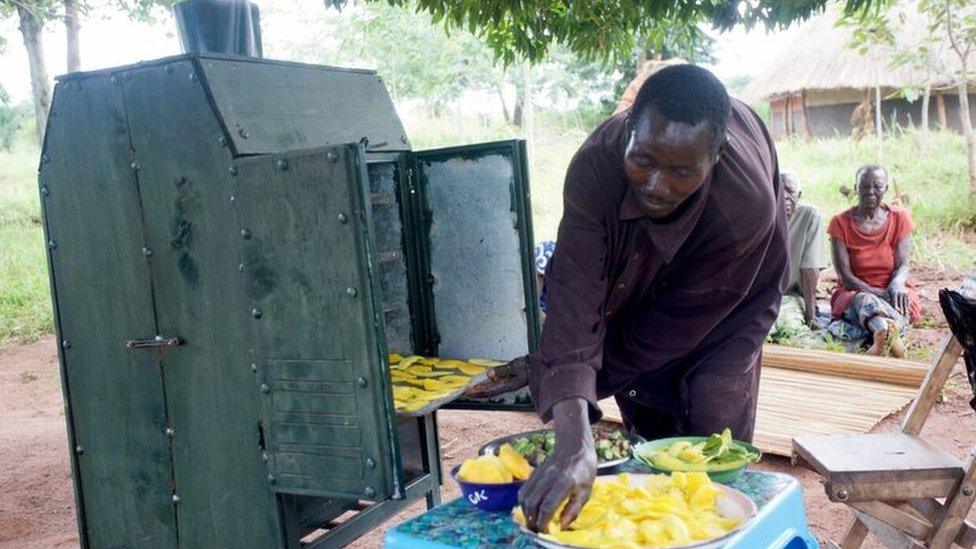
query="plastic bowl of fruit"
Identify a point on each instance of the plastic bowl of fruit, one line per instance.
(718, 455)
(491, 482)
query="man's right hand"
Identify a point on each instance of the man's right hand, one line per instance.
(502, 379)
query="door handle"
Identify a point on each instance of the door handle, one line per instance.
(158, 341)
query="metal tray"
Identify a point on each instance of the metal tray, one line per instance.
(735, 504)
(492, 447)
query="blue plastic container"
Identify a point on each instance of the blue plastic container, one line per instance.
(489, 497)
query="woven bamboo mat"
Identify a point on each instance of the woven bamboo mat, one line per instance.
(793, 403)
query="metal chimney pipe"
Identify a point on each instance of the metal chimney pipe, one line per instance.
(219, 26)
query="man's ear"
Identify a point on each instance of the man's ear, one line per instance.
(719, 152)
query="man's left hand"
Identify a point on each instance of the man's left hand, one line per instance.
(898, 296)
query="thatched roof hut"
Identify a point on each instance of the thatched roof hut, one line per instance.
(816, 83)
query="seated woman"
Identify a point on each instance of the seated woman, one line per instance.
(871, 244)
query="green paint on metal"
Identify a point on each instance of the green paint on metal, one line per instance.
(269, 107)
(103, 296)
(328, 406)
(212, 396)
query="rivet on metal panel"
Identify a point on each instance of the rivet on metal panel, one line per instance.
(193, 77)
(370, 464)
(168, 69)
(351, 292)
(135, 166)
(967, 490)
(370, 491)
(79, 449)
(264, 458)
(361, 382)
(52, 244)
(265, 389)
(842, 495)
(114, 79)
(343, 219)
(246, 234)
(254, 367)
(256, 313)
(146, 251)
(282, 164)
(240, 268)
(44, 190)
(232, 170)
(272, 479)
(65, 344)
(243, 133)
(222, 142)
(176, 498)
(170, 432)
(332, 156)
(233, 199)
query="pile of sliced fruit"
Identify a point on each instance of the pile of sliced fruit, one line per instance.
(664, 511)
(419, 381)
(507, 466)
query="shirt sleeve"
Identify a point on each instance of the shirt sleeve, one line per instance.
(836, 229)
(813, 247)
(571, 351)
(906, 225)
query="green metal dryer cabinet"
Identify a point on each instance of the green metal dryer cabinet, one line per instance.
(234, 246)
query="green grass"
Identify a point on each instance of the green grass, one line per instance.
(25, 306)
(932, 175)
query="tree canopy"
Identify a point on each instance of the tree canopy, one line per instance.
(606, 29)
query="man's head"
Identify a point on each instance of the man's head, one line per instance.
(677, 132)
(791, 192)
(872, 184)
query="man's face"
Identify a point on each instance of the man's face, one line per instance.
(666, 162)
(791, 195)
(871, 188)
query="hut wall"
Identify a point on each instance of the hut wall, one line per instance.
(829, 113)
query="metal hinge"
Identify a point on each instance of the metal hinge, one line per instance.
(158, 341)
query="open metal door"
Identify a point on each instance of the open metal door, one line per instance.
(328, 422)
(477, 214)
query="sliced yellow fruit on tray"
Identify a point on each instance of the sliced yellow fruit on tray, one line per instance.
(450, 364)
(410, 360)
(394, 358)
(430, 361)
(420, 370)
(454, 378)
(470, 369)
(485, 362)
(435, 385)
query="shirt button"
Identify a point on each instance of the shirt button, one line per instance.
(632, 393)
(621, 286)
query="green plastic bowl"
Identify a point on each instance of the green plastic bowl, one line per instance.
(724, 474)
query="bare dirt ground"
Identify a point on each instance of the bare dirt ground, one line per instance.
(37, 504)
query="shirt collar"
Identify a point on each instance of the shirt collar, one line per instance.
(667, 237)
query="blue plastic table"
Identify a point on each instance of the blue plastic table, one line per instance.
(781, 522)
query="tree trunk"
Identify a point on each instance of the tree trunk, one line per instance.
(501, 98)
(641, 55)
(72, 29)
(30, 29)
(967, 131)
(943, 117)
(926, 101)
(518, 111)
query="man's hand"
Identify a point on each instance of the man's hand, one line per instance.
(567, 475)
(502, 379)
(898, 297)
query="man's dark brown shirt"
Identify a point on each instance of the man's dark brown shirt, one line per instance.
(628, 296)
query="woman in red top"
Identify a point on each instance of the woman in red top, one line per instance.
(871, 244)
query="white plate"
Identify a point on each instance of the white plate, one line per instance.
(735, 504)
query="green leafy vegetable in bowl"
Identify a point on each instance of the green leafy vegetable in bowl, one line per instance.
(537, 446)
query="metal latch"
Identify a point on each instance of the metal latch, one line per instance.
(158, 341)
